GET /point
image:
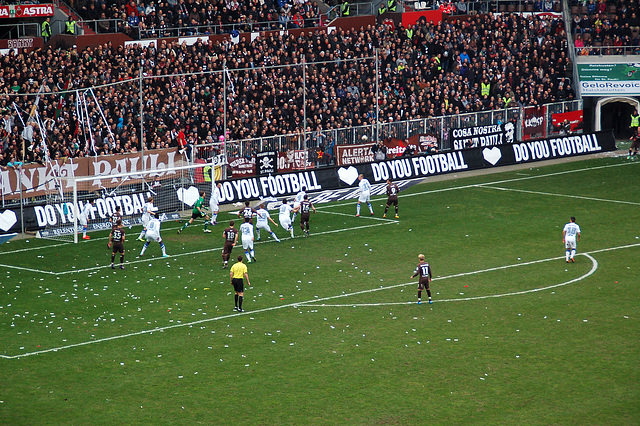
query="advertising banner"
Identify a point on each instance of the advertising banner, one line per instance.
(609, 79)
(26, 11)
(475, 137)
(276, 186)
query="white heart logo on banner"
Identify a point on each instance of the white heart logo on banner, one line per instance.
(188, 196)
(492, 155)
(349, 175)
(7, 220)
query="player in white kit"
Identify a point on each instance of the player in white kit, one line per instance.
(153, 234)
(83, 218)
(214, 201)
(148, 211)
(365, 194)
(262, 222)
(246, 230)
(284, 217)
(297, 200)
(570, 237)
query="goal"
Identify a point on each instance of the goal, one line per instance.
(174, 192)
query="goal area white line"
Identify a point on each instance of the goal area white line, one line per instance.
(314, 302)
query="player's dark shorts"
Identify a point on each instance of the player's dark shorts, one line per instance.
(238, 285)
(304, 217)
(118, 248)
(635, 143)
(423, 284)
(196, 215)
(392, 200)
(226, 250)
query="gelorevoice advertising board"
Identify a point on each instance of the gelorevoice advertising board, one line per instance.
(609, 79)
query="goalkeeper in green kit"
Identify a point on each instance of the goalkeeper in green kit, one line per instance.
(198, 212)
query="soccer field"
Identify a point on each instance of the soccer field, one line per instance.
(331, 332)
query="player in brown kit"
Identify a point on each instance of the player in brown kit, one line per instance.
(116, 243)
(424, 271)
(392, 194)
(305, 214)
(230, 236)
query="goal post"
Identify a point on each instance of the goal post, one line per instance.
(174, 191)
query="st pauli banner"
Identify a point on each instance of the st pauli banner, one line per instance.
(480, 136)
(37, 180)
(609, 79)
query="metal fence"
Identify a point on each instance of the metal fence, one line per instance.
(141, 32)
(437, 126)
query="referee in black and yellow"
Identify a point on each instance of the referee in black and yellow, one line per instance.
(237, 273)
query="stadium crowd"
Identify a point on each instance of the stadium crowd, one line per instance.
(428, 70)
(175, 18)
(610, 24)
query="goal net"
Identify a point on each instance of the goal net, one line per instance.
(174, 191)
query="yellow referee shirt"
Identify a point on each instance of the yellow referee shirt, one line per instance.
(238, 270)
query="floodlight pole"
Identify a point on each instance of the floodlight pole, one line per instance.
(141, 121)
(304, 111)
(224, 113)
(377, 121)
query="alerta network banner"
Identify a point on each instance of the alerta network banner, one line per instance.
(609, 79)
(334, 179)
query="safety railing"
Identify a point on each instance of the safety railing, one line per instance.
(436, 126)
(19, 30)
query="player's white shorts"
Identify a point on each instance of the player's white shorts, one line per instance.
(285, 221)
(247, 243)
(82, 220)
(264, 226)
(296, 205)
(364, 197)
(153, 236)
(213, 206)
(145, 219)
(570, 243)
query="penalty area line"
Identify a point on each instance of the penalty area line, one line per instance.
(155, 259)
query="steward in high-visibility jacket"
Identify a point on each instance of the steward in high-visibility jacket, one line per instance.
(382, 9)
(46, 30)
(345, 8)
(635, 121)
(70, 26)
(391, 5)
(409, 32)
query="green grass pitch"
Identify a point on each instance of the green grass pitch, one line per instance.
(332, 333)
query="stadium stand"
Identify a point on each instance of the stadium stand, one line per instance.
(470, 64)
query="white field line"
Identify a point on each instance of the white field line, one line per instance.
(594, 267)
(313, 302)
(475, 185)
(561, 195)
(154, 259)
